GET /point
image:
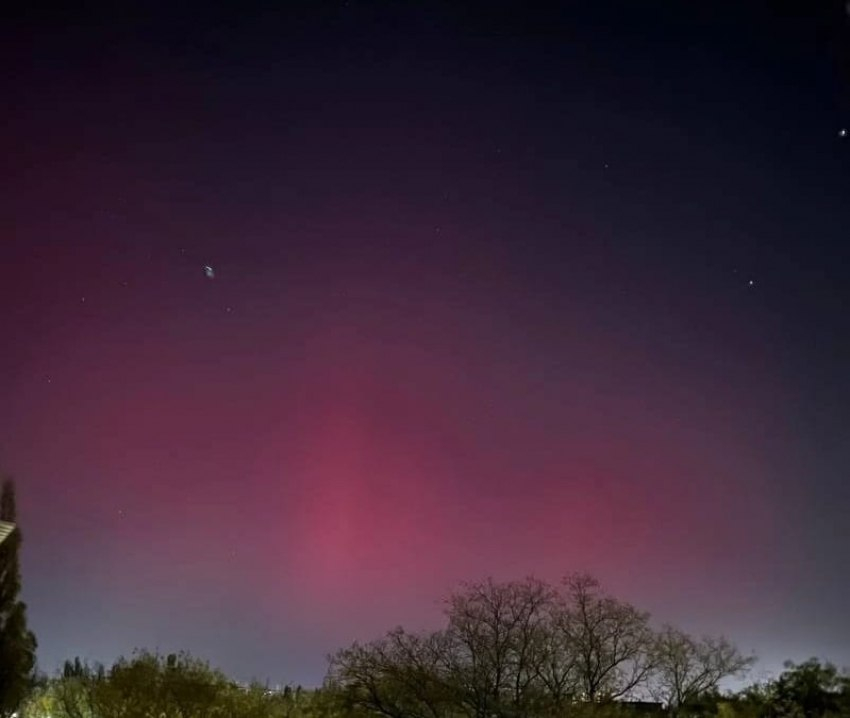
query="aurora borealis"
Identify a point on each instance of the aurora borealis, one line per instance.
(497, 291)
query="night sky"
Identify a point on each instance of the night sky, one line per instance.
(498, 290)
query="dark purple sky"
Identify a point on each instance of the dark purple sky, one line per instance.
(498, 290)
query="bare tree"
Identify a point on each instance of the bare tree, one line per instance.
(610, 641)
(398, 676)
(519, 650)
(498, 633)
(686, 668)
(557, 664)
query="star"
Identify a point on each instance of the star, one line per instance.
(751, 283)
(208, 270)
(842, 132)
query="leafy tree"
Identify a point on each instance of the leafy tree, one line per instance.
(178, 685)
(148, 685)
(173, 686)
(807, 690)
(41, 702)
(74, 693)
(322, 703)
(17, 642)
(810, 690)
(256, 701)
(751, 702)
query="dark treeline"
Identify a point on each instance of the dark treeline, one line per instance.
(518, 649)
(525, 649)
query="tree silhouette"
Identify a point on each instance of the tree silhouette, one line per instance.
(687, 669)
(811, 690)
(17, 642)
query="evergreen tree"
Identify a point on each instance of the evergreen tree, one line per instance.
(17, 642)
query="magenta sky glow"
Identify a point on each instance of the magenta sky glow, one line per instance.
(481, 306)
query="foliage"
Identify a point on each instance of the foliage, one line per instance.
(152, 686)
(810, 690)
(508, 650)
(17, 642)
